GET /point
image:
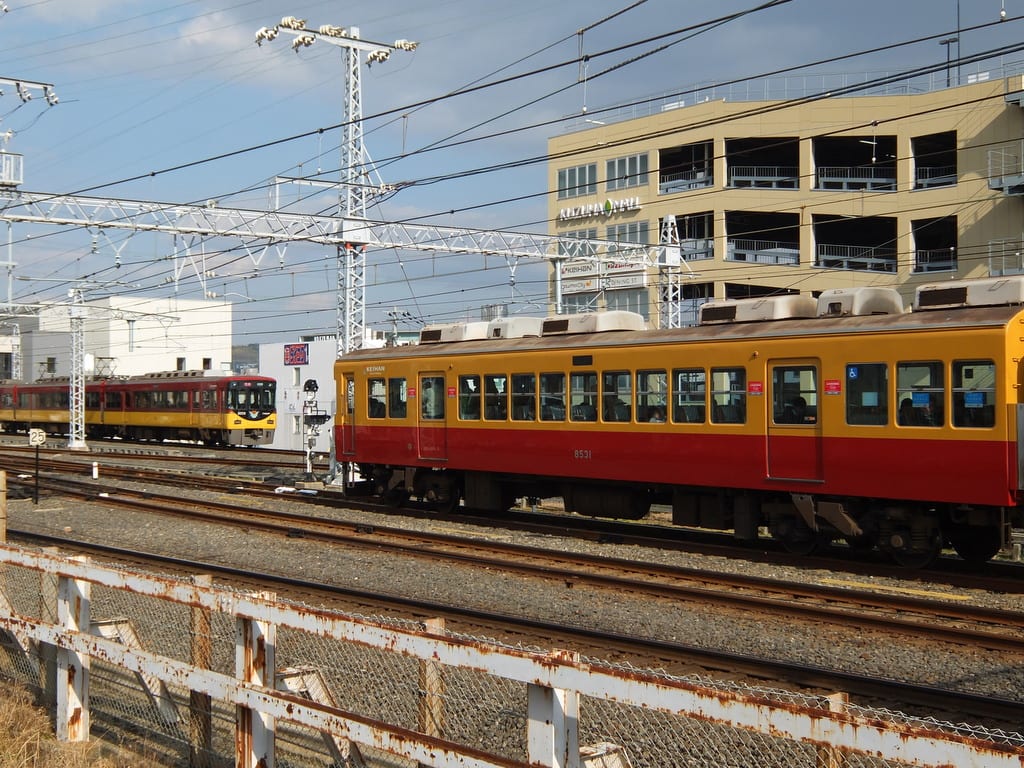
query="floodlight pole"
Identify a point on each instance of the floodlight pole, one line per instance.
(355, 187)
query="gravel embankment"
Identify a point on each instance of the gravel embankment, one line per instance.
(864, 652)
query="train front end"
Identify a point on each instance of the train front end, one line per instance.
(250, 410)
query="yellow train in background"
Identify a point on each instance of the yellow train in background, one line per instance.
(200, 406)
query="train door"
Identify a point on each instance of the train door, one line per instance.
(794, 421)
(432, 437)
(344, 424)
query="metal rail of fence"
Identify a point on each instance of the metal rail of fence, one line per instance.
(190, 673)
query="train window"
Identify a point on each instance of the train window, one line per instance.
(552, 397)
(795, 394)
(469, 397)
(867, 393)
(728, 395)
(209, 399)
(432, 397)
(689, 400)
(397, 398)
(524, 397)
(92, 400)
(583, 396)
(920, 391)
(495, 397)
(432, 394)
(651, 395)
(376, 397)
(617, 389)
(974, 393)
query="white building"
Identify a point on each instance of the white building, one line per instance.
(122, 336)
(293, 365)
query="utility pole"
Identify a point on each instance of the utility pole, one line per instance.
(355, 164)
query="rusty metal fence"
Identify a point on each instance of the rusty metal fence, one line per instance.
(190, 673)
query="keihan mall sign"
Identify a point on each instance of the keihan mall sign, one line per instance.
(607, 208)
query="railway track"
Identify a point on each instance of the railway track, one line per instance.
(679, 590)
(672, 657)
(916, 617)
(243, 477)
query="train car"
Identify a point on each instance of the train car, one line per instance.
(841, 418)
(201, 406)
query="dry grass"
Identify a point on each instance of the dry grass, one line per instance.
(27, 739)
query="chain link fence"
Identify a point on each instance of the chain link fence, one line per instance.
(376, 676)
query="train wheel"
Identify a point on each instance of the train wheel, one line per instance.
(975, 543)
(796, 537)
(448, 504)
(910, 554)
(396, 497)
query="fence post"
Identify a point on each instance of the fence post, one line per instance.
(553, 722)
(200, 704)
(73, 608)
(830, 757)
(255, 662)
(47, 651)
(432, 689)
(3, 506)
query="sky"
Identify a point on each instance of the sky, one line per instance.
(174, 102)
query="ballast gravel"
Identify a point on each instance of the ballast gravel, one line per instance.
(854, 651)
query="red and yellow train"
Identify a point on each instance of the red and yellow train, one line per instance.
(200, 406)
(837, 418)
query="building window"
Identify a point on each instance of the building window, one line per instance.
(578, 181)
(179, 364)
(579, 303)
(625, 172)
(630, 232)
(577, 250)
(296, 425)
(51, 365)
(632, 300)
(207, 363)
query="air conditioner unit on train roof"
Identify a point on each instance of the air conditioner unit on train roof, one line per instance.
(865, 300)
(514, 327)
(594, 322)
(987, 292)
(758, 310)
(437, 334)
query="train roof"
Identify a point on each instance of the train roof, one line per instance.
(174, 377)
(932, 319)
